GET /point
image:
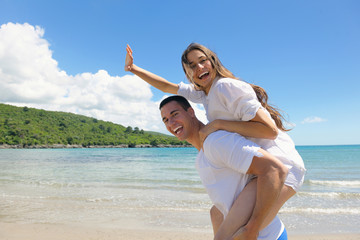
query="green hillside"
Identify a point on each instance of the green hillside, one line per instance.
(33, 127)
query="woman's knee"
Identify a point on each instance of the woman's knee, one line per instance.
(215, 214)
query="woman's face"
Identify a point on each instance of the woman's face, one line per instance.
(202, 71)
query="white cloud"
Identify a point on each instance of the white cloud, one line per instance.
(313, 120)
(30, 76)
(289, 125)
(28, 72)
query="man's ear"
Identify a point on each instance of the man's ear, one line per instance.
(191, 112)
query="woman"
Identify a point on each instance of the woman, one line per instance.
(234, 106)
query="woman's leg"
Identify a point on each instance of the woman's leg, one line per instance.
(242, 209)
(286, 193)
(216, 218)
(239, 213)
(294, 179)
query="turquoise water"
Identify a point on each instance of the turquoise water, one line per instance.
(329, 200)
(160, 188)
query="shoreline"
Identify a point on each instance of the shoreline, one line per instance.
(109, 194)
(63, 146)
(37, 231)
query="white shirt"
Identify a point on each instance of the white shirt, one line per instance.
(222, 167)
(232, 99)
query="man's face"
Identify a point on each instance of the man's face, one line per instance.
(177, 120)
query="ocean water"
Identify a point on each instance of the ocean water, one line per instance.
(159, 188)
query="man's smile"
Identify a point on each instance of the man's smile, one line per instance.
(178, 130)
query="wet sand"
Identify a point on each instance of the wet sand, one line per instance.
(18, 231)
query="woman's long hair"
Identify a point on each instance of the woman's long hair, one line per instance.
(221, 71)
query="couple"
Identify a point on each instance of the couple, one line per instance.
(226, 159)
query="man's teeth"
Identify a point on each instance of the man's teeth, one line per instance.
(176, 129)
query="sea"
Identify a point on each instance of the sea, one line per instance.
(159, 188)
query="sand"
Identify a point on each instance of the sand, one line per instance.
(18, 231)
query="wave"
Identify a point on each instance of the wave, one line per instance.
(40, 183)
(148, 184)
(180, 188)
(348, 183)
(147, 181)
(341, 195)
(351, 211)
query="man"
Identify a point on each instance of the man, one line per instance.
(226, 162)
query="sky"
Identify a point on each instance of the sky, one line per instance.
(69, 56)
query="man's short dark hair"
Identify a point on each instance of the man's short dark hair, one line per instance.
(179, 99)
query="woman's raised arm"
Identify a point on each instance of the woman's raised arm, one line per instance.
(154, 80)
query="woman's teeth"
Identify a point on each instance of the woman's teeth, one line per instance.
(203, 74)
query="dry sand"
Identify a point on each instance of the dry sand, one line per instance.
(17, 231)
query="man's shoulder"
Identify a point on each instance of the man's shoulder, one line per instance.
(215, 135)
(217, 139)
(220, 141)
(220, 133)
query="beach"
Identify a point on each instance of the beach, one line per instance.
(15, 231)
(151, 193)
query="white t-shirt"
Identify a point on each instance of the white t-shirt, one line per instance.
(222, 167)
(231, 99)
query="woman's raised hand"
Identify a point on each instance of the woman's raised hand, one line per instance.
(129, 60)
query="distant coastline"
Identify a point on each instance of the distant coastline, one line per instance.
(68, 146)
(328, 145)
(60, 146)
(23, 127)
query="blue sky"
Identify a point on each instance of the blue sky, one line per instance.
(69, 56)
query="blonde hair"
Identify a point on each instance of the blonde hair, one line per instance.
(221, 71)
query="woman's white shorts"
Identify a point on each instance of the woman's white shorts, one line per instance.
(295, 177)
